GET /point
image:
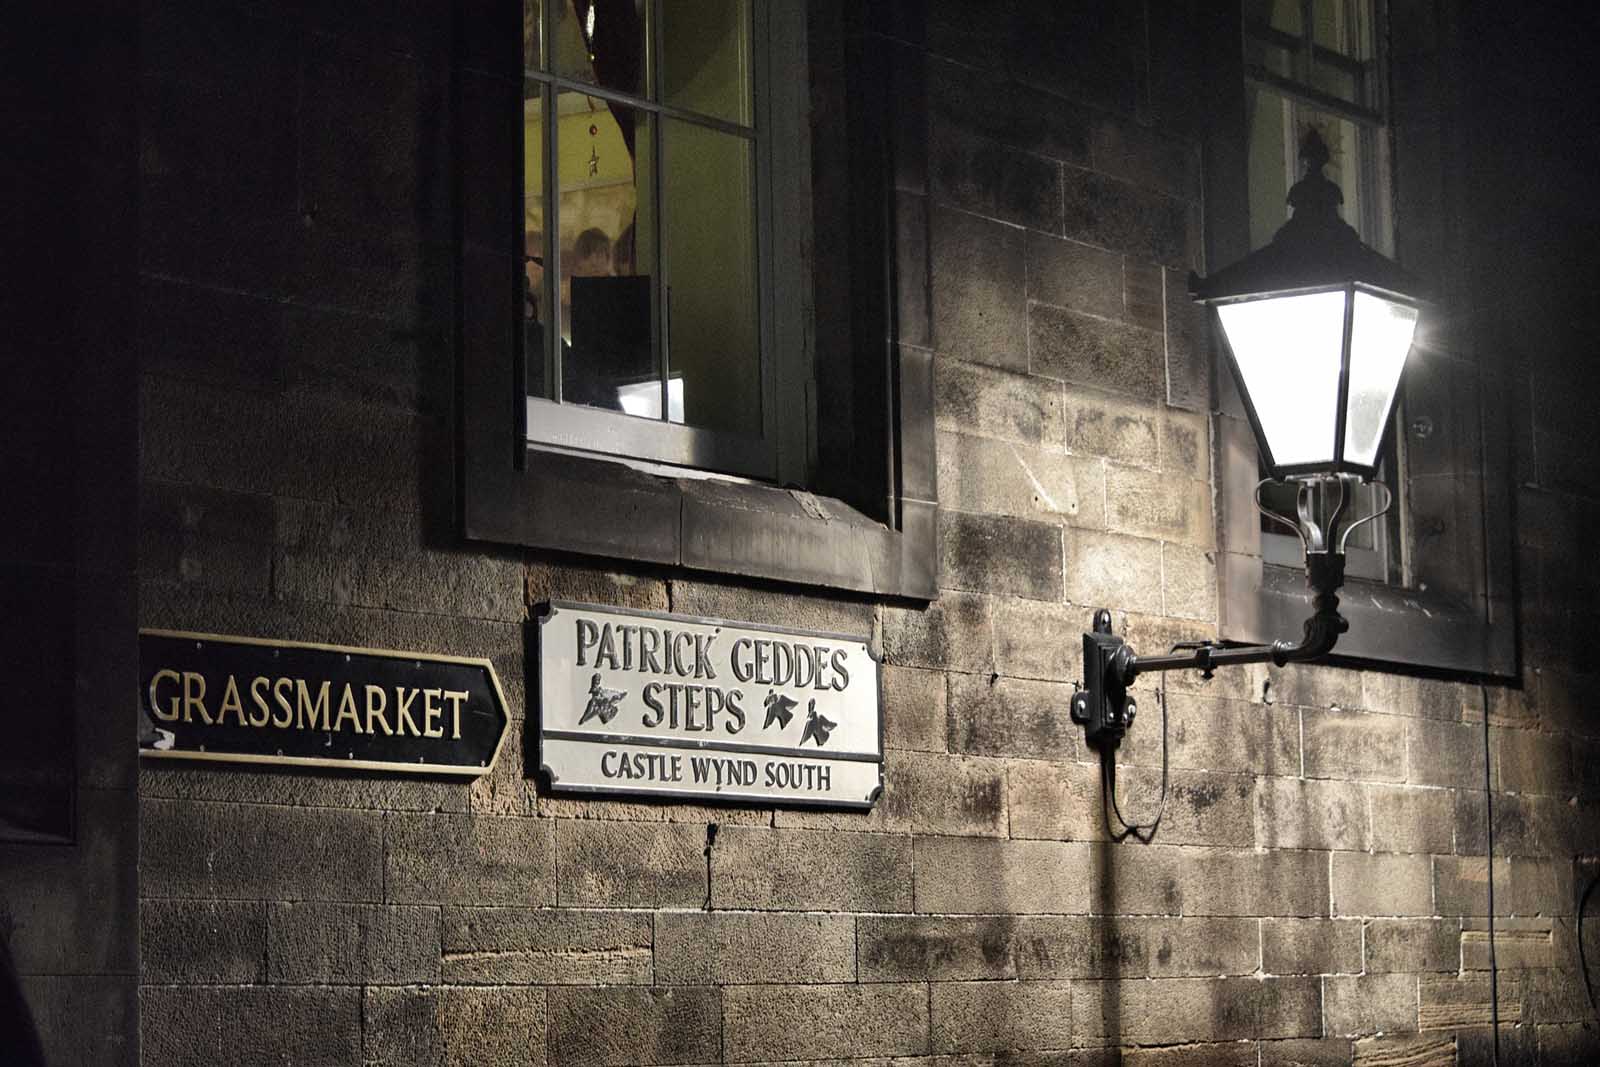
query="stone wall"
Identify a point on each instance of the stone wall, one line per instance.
(1318, 890)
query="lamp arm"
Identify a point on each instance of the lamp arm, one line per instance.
(1110, 664)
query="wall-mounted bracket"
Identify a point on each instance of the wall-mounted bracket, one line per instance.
(1102, 706)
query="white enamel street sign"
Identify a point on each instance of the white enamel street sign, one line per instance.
(639, 702)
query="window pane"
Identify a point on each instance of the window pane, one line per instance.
(1380, 339)
(536, 297)
(1281, 15)
(606, 255)
(705, 61)
(532, 34)
(708, 232)
(1288, 351)
(1272, 163)
(1344, 26)
(603, 42)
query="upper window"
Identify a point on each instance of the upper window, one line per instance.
(647, 197)
(683, 229)
(1436, 589)
(1313, 64)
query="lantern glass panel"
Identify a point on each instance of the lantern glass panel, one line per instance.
(1380, 337)
(1288, 350)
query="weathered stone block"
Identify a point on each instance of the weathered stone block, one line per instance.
(994, 477)
(1306, 1052)
(626, 864)
(1448, 1002)
(1381, 884)
(1154, 504)
(201, 538)
(202, 941)
(997, 555)
(981, 176)
(491, 1027)
(1533, 825)
(916, 948)
(979, 285)
(974, 399)
(1521, 886)
(1316, 685)
(1189, 369)
(622, 1026)
(1220, 734)
(523, 946)
(973, 875)
(1444, 754)
(1073, 275)
(1354, 746)
(1426, 698)
(727, 948)
(1142, 295)
(1175, 1010)
(230, 851)
(399, 1027)
(1154, 159)
(450, 859)
(820, 1021)
(925, 793)
(1028, 640)
(1117, 215)
(1189, 582)
(1518, 943)
(1311, 813)
(1099, 353)
(953, 633)
(339, 944)
(1001, 1016)
(1412, 820)
(565, 580)
(1012, 717)
(1310, 946)
(1114, 428)
(1055, 801)
(1413, 945)
(1135, 946)
(375, 558)
(804, 870)
(1528, 761)
(1111, 570)
(1406, 1050)
(914, 709)
(1355, 1005)
(1171, 880)
(180, 1026)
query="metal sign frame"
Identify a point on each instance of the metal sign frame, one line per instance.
(414, 768)
(545, 614)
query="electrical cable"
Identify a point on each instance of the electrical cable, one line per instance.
(1583, 958)
(1141, 832)
(1488, 822)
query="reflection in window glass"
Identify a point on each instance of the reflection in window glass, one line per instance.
(710, 244)
(603, 42)
(603, 165)
(705, 63)
(532, 34)
(540, 368)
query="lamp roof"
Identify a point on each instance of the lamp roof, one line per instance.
(1314, 248)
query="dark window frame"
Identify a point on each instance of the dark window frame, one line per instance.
(868, 525)
(1458, 614)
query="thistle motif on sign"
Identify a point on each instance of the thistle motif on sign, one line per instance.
(602, 702)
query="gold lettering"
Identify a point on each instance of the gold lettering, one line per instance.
(456, 697)
(279, 688)
(194, 697)
(431, 712)
(171, 714)
(231, 702)
(308, 712)
(347, 709)
(258, 696)
(402, 710)
(377, 702)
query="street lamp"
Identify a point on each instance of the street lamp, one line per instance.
(1316, 327)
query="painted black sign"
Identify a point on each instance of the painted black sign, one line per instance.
(228, 698)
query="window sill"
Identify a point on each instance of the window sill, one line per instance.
(602, 508)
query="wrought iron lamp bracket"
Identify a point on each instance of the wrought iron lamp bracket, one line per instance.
(1103, 706)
